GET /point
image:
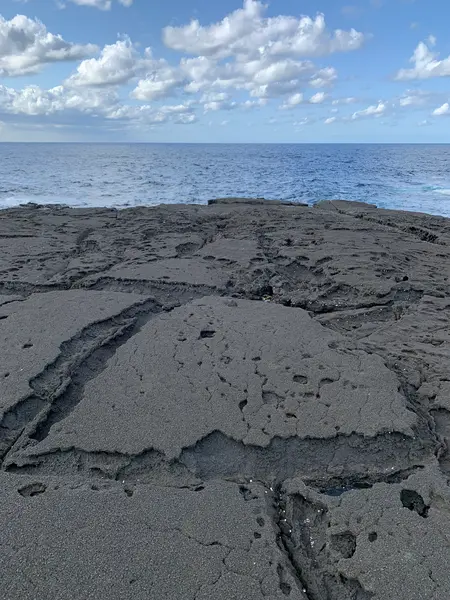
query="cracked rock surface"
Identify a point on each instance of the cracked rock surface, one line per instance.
(245, 400)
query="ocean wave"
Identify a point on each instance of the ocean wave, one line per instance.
(21, 200)
(437, 189)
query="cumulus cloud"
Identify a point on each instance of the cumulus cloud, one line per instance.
(120, 63)
(414, 98)
(261, 78)
(161, 83)
(177, 108)
(426, 64)
(248, 104)
(241, 62)
(375, 110)
(215, 106)
(26, 46)
(117, 64)
(318, 98)
(292, 101)
(144, 113)
(105, 103)
(323, 78)
(411, 101)
(330, 120)
(248, 33)
(217, 101)
(215, 97)
(271, 79)
(442, 110)
(33, 100)
(181, 114)
(186, 119)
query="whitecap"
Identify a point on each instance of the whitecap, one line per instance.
(20, 200)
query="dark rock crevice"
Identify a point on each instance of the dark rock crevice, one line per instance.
(302, 536)
(361, 461)
(83, 356)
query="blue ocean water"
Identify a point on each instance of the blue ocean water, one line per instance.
(408, 177)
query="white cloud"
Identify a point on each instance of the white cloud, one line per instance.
(410, 101)
(33, 100)
(426, 64)
(242, 62)
(215, 101)
(330, 120)
(318, 98)
(100, 4)
(414, 98)
(261, 78)
(323, 78)
(292, 101)
(375, 110)
(160, 83)
(138, 114)
(26, 46)
(215, 97)
(120, 63)
(185, 119)
(349, 100)
(227, 60)
(214, 106)
(177, 108)
(254, 103)
(442, 110)
(117, 64)
(304, 121)
(246, 32)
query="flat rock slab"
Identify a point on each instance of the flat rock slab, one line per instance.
(185, 271)
(33, 332)
(232, 250)
(32, 259)
(74, 541)
(252, 371)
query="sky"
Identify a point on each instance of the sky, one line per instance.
(225, 71)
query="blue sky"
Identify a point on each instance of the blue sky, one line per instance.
(225, 71)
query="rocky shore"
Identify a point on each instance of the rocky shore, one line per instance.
(240, 401)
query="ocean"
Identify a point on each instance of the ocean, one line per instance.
(407, 177)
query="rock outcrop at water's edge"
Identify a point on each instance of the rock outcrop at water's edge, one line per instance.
(247, 400)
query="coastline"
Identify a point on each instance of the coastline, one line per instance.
(242, 400)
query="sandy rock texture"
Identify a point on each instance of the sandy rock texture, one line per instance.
(239, 401)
